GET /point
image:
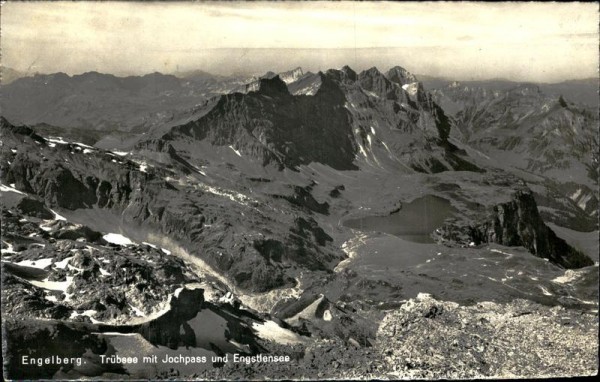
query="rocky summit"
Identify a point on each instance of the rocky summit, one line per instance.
(333, 225)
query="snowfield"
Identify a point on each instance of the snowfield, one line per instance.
(272, 332)
(116, 238)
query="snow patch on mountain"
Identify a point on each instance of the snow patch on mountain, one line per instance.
(57, 216)
(54, 285)
(137, 311)
(63, 263)
(88, 313)
(411, 88)
(9, 249)
(235, 151)
(4, 188)
(38, 263)
(270, 331)
(59, 140)
(569, 277)
(116, 238)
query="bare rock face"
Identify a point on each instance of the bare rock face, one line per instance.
(272, 126)
(33, 207)
(400, 75)
(392, 117)
(427, 338)
(166, 330)
(332, 124)
(516, 222)
(519, 223)
(373, 80)
(272, 86)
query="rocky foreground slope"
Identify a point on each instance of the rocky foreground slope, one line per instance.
(431, 339)
(427, 338)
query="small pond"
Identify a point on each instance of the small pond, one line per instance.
(414, 222)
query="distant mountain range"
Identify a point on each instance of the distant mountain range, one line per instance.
(105, 102)
(302, 214)
(580, 91)
(109, 103)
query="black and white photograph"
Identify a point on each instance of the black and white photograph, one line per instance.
(299, 190)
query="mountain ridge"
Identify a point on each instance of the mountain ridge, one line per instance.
(306, 219)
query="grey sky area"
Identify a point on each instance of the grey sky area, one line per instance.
(520, 41)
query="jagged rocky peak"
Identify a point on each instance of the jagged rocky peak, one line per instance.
(287, 77)
(407, 81)
(329, 88)
(518, 222)
(308, 84)
(272, 86)
(372, 72)
(269, 74)
(373, 80)
(344, 75)
(350, 74)
(291, 75)
(400, 76)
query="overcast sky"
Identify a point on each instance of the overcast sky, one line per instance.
(519, 41)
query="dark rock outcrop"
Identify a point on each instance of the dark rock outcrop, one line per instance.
(64, 340)
(272, 87)
(303, 198)
(272, 126)
(518, 223)
(400, 76)
(33, 207)
(71, 232)
(167, 329)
